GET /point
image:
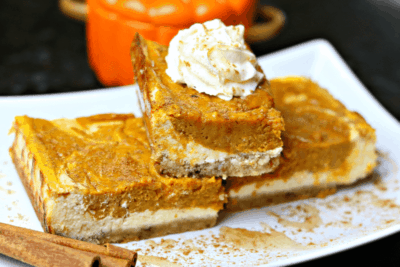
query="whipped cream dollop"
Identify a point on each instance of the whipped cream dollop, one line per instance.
(213, 59)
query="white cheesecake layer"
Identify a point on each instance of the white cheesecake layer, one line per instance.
(70, 217)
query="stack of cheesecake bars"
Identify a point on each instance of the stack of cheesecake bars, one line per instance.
(116, 178)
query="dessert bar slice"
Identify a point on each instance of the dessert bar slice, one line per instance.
(325, 145)
(91, 179)
(196, 134)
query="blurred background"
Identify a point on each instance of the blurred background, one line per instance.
(43, 51)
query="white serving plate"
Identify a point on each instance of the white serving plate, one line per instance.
(370, 211)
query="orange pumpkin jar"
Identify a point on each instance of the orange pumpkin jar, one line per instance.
(111, 25)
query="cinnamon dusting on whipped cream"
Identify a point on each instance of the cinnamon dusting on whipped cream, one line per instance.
(213, 59)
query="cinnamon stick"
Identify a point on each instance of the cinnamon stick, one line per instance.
(109, 255)
(42, 253)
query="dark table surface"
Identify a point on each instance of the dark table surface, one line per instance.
(42, 51)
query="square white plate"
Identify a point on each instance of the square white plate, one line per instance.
(351, 217)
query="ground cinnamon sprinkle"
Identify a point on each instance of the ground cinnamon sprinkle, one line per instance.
(311, 221)
(244, 238)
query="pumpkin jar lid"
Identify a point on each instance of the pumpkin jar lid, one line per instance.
(177, 12)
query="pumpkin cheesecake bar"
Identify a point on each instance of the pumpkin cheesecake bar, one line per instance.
(91, 179)
(325, 145)
(195, 134)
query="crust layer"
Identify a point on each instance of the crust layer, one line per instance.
(25, 174)
(258, 200)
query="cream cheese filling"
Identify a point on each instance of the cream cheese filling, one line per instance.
(70, 216)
